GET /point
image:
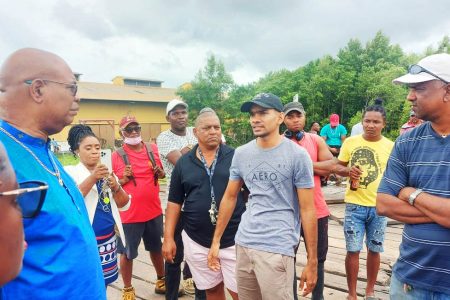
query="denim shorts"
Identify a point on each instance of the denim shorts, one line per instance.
(403, 291)
(360, 220)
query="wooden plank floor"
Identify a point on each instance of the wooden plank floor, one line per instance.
(144, 275)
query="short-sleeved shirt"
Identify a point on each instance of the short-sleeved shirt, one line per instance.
(190, 187)
(146, 204)
(311, 144)
(333, 135)
(167, 142)
(421, 159)
(271, 222)
(357, 129)
(371, 157)
(62, 248)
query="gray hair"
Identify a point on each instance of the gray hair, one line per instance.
(205, 112)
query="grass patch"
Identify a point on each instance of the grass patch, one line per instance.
(67, 159)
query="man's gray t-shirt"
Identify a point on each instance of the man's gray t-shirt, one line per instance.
(271, 222)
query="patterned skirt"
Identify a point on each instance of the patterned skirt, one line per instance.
(107, 248)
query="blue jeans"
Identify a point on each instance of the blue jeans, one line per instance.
(402, 291)
(363, 220)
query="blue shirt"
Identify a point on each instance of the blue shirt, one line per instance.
(62, 260)
(333, 135)
(103, 222)
(271, 222)
(421, 159)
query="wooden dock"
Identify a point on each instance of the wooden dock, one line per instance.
(144, 275)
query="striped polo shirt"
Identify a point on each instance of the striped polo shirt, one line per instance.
(421, 159)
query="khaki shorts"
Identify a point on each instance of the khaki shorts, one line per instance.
(264, 275)
(197, 258)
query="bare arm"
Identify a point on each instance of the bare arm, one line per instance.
(227, 205)
(119, 195)
(100, 172)
(169, 247)
(434, 207)
(324, 155)
(174, 155)
(394, 208)
(338, 167)
(86, 185)
(309, 224)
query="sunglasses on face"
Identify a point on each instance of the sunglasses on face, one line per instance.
(29, 196)
(416, 69)
(73, 87)
(130, 129)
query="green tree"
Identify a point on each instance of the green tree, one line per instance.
(209, 88)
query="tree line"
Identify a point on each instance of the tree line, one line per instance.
(344, 84)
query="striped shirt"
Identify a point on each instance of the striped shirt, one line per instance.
(421, 159)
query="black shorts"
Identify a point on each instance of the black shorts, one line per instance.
(150, 231)
(322, 238)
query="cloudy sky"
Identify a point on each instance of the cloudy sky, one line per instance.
(170, 40)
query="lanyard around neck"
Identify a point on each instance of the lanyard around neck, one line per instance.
(210, 171)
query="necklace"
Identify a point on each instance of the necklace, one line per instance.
(55, 173)
(333, 131)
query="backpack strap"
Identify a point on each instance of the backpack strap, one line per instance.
(151, 157)
(150, 154)
(126, 161)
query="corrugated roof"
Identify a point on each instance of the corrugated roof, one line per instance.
(107, 91)
(136, 78)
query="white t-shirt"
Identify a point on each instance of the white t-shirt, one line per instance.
(357, 129)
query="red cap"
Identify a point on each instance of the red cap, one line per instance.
(127, 120)
(334, 120)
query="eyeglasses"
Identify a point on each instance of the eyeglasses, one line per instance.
(30, 197)
(130, 129)
(72, 86)
(416, 69)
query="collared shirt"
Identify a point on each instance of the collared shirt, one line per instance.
(167, 142)
(190, 186)
(421, 159)
(62, 260)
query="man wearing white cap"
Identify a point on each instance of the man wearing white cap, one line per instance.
(172, 144)
(415, 188)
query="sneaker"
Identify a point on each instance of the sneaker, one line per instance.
(160, 286)
(188, 286)
(128, 293)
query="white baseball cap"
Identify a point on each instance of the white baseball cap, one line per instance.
(433, 67)
(172, 103)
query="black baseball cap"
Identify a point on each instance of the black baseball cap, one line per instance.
(266, 100)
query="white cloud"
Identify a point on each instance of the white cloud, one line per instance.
(170, 40)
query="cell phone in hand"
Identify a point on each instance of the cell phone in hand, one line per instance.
(105, 158)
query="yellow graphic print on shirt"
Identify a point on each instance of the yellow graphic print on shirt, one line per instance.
(372, 158)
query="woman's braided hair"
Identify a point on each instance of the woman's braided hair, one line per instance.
(77, 134)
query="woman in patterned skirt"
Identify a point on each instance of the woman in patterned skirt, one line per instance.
(103, 195)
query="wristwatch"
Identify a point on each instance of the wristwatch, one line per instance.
(413, 196)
